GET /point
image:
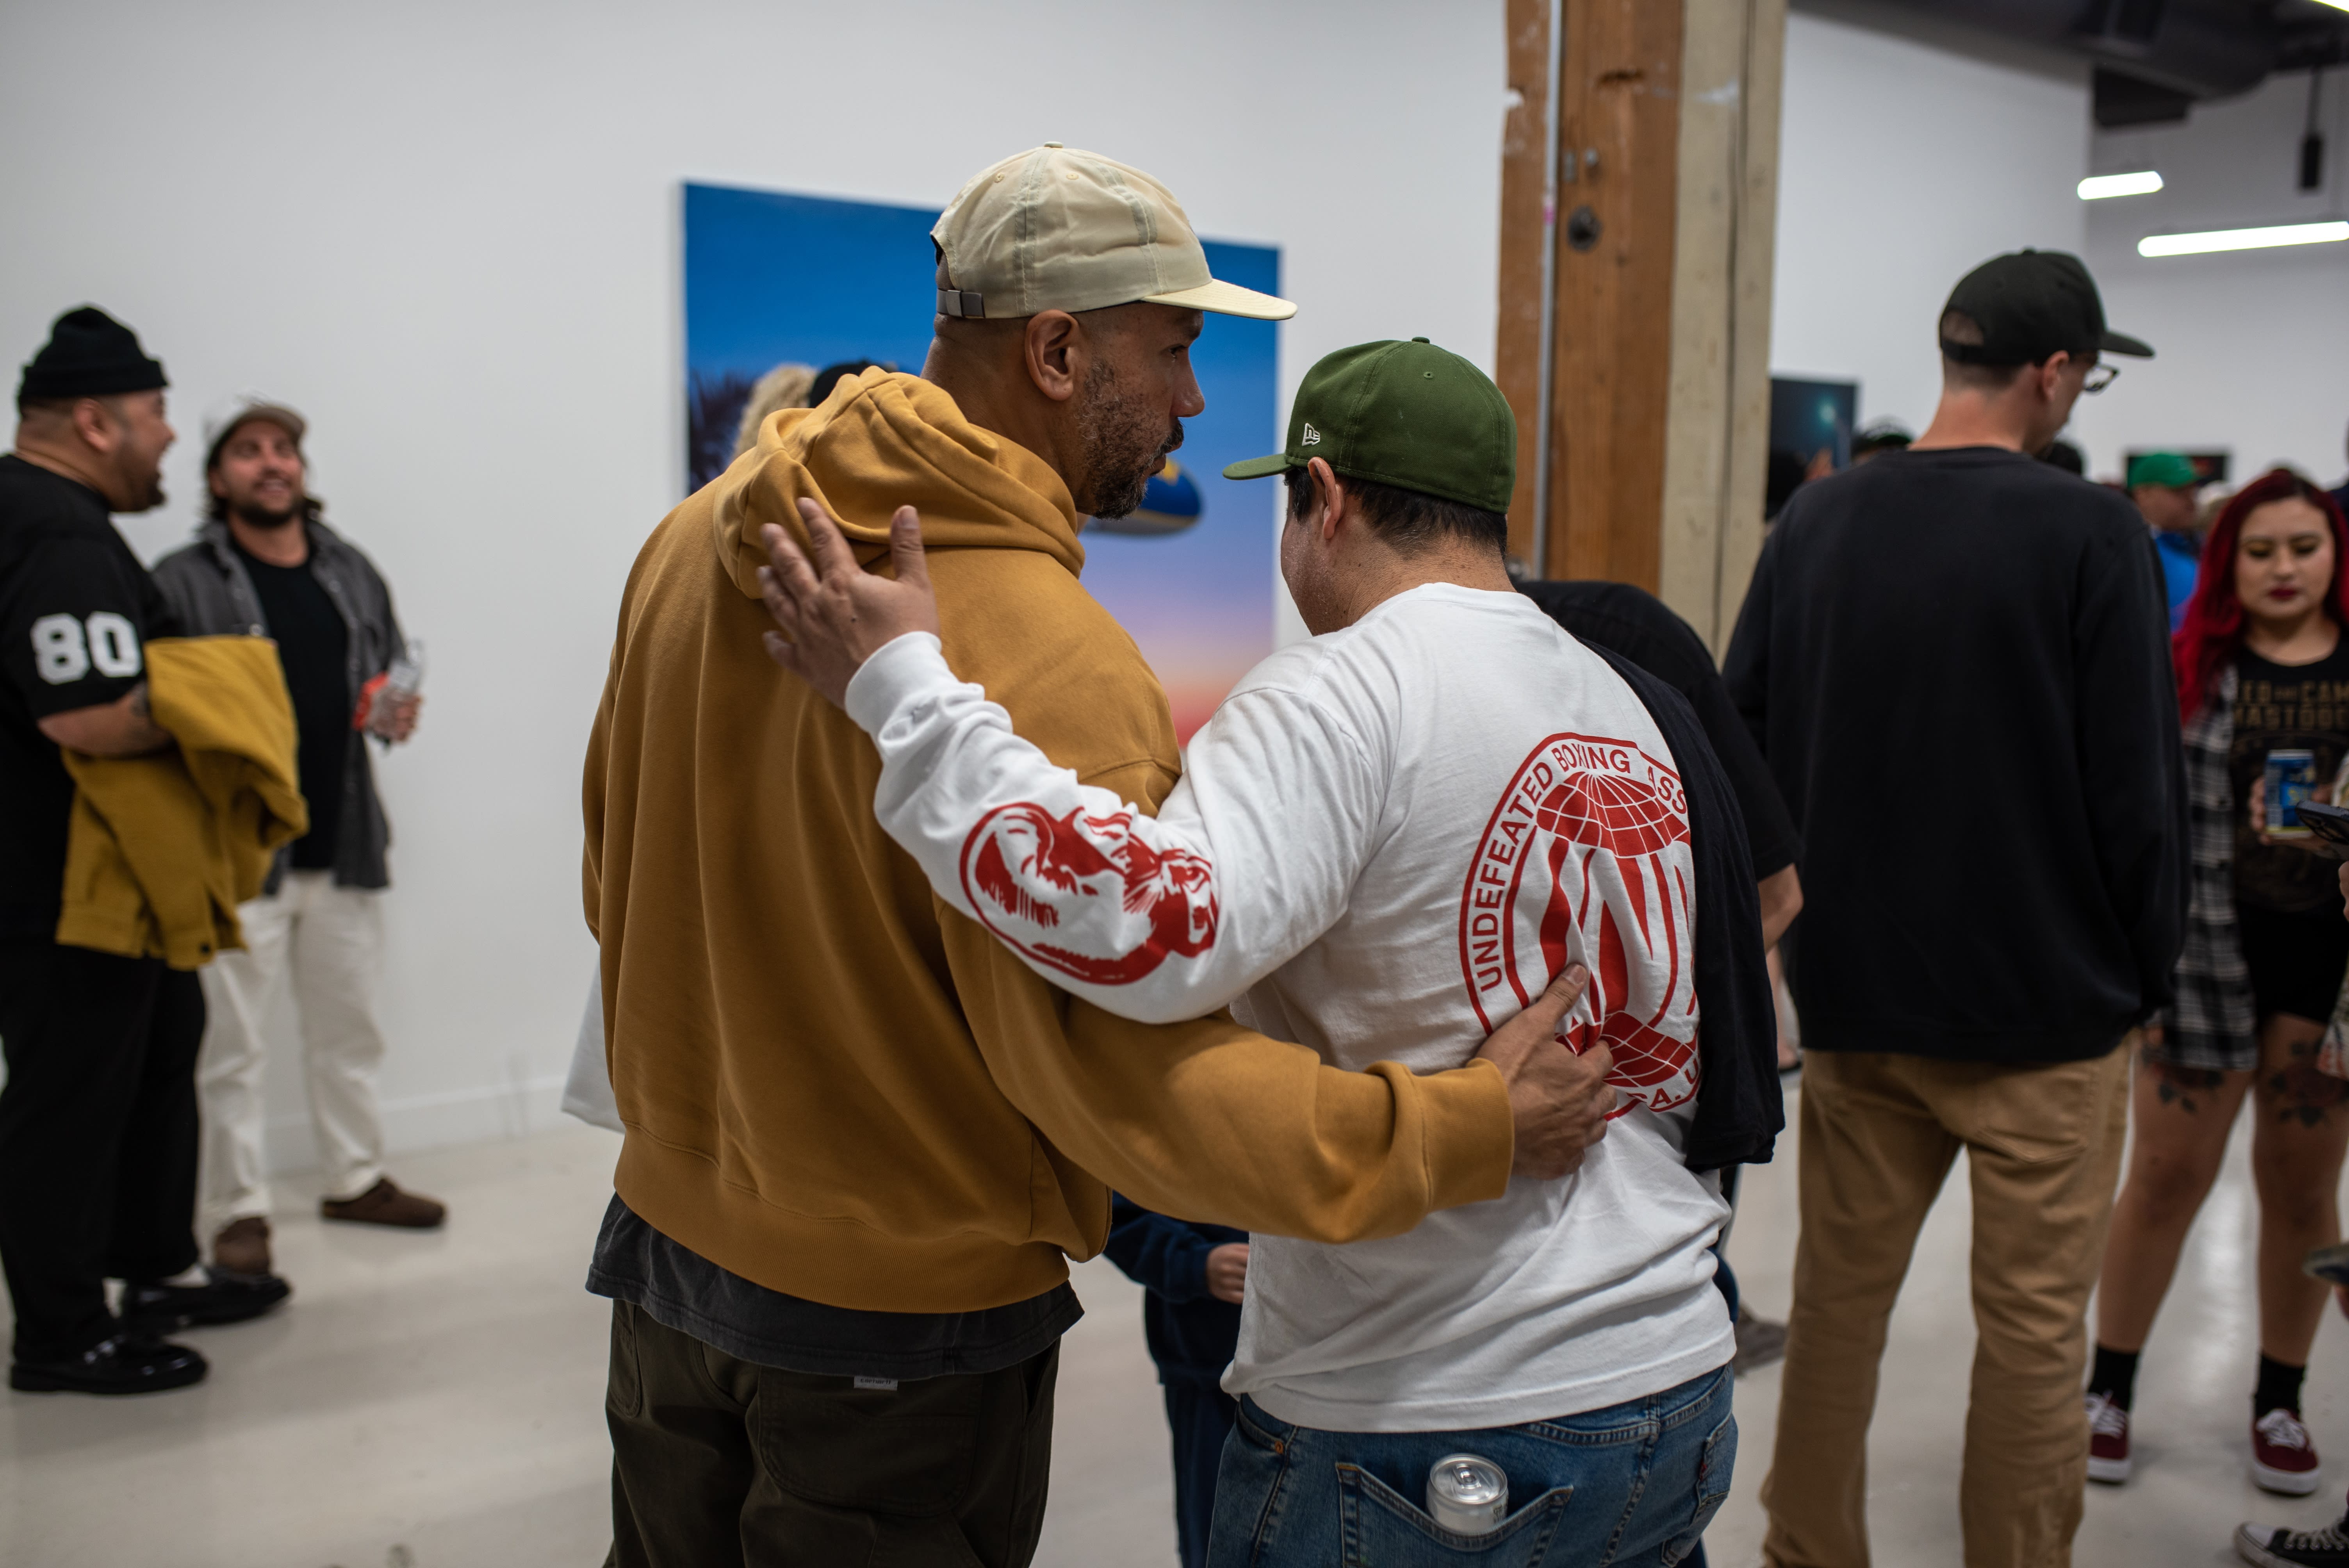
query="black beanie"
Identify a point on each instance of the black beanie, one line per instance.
(90, 354)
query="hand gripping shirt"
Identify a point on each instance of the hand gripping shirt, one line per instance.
(1384, 843)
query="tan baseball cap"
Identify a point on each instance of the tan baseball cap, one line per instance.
(1057, 228)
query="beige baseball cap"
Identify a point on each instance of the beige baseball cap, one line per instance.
(1057, 228)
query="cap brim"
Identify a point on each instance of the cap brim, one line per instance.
(1259, 468)
(1227, 299)
(2122, 343)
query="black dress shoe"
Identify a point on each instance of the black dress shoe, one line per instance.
(127, 1364)
(223, 1297)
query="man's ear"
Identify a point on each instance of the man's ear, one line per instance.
(1337, 501)
(96, 423)
(1054, 346)
(2051, 374)
(213, 483)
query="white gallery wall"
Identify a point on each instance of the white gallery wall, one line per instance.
(448, 233)
(2252, 347)
(1901, 166)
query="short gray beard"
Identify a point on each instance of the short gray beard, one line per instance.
(1119, 446)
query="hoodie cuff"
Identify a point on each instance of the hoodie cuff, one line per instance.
(900, 671)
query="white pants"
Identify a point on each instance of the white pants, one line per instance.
(333, 938)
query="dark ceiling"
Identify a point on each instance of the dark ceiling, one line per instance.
(2155, 59)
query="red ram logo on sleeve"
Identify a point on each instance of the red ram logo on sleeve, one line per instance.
(1082, 895)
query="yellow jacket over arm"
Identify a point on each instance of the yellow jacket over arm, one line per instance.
(161, 848)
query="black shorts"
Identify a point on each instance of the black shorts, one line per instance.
(2296, 960)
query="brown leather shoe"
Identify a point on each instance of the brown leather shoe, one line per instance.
(385, 1205)
(243, 1246)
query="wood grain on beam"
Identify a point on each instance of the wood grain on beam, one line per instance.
(1525, 153)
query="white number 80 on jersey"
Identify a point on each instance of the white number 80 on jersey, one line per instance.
(61, 653)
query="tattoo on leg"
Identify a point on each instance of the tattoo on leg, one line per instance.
(2301, 1093)
(2179, 1086)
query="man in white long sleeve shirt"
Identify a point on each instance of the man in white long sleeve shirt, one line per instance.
(1384, 841)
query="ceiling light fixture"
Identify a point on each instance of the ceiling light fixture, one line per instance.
(2244, 239)
(2098, 187)
(2336, 5)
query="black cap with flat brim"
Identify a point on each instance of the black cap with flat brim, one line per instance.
(2033, 303)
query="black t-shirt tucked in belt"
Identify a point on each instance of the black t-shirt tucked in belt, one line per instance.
(75, 612)
(312, 644)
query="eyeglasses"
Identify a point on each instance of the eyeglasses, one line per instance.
(2099, 377)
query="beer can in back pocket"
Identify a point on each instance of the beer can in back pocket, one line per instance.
(2290, 778)
(1467, 1495)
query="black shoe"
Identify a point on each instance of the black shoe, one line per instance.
(223, 1297)
(127, 1364)
(2269, 1546)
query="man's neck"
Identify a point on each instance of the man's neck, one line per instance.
(66, 462)
(287, 544)
(1466, 566)
(1966, 419)
(1014, 412)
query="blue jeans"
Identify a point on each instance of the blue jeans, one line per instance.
(1633, 1484)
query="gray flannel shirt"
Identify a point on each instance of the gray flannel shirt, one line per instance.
(213, 594)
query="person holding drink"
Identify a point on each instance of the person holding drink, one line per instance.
(265, 563)
(2264, 688)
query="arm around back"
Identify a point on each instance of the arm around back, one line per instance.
(1211, 1121)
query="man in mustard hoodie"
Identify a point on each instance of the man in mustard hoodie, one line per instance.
(863, 1138)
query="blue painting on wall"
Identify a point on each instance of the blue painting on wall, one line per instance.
(772, 278)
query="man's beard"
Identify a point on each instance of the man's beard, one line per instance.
(1122, 443)
(261, 517)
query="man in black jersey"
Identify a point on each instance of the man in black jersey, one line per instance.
(97, 1123)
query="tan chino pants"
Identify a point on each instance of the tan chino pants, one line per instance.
(2042, 1153)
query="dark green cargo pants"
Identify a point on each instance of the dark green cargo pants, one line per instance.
(717, 1461)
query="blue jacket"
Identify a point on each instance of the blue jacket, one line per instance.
(2181, 561)
(1191, 1334)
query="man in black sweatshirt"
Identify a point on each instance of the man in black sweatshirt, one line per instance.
(1955, 659)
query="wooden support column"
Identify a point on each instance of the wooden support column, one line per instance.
(1639, 188)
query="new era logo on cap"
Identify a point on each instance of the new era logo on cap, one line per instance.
(1312, 438)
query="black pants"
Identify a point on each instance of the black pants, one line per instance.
(1200, 1415)
(97, 1133)
(717, 1461)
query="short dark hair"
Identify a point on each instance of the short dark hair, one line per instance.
(1408, 521)
(1959, 328)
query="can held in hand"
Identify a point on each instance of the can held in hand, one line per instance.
(1467, 1495)
(2290, 778)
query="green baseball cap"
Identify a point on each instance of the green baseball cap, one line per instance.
(2173, 470)
(1409, 414)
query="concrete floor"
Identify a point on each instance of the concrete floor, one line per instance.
(436, 1401)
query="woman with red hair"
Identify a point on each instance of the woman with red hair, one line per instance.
(2262, 668)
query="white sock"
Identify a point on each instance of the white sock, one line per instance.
(194, 1275)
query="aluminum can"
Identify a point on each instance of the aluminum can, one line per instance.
(1467, 1495)
(2290, 778)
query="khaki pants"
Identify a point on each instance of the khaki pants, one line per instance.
(2042, 1152)
(328, 941)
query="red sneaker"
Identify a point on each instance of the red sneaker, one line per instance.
(2109, 1453)
(2282, 1458)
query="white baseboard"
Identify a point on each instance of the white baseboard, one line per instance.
(474, 1115)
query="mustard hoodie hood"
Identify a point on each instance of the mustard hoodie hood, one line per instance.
(882, 440)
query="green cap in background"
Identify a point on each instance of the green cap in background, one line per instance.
(1409, 414)
(2173, 470)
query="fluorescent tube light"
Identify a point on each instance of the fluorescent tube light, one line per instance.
(2243, 239)
(2336, 5)
(2098, 187)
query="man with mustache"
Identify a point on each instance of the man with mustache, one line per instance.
(97, 1123)
(862, 1139)
(264, 564)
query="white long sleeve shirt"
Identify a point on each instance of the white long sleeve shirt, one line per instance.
(1384, 843)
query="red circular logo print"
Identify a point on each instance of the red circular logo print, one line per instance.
(1587, 860)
